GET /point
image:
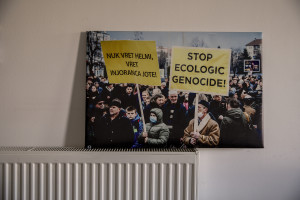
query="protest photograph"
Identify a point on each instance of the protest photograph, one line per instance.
(149, 89)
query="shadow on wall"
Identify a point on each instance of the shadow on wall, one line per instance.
(75, 132)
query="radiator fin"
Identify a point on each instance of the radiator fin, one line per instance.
(112, 181)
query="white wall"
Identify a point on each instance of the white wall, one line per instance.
(42, 80)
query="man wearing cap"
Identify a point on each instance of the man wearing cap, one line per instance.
(174, 118)
(207, 131)
(113, 130)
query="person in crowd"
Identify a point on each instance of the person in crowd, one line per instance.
(191, 111)
(129, 99)
(250, 110)
(100, 108)
(253, 83)
(207, 132)
(246, 86)
(148, 99)
(156, 91)
(150, 90)
(174, 118)
(113, 130)
(234, 82)
(217, 108)
(186, 101)
(109, 93)
(181, 97)
(145, 94)
(164, 89)
(236, 131)
(99, 89)
(95, 112)
(93, 93)
(137, 125)
(157, 133)
(157, 101)
(191, 98)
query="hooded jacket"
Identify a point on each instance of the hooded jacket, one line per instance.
(158, 133)
(236, 131)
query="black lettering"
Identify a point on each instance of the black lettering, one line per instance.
(209, 56)
(202, 56)
(182, 66)
(190, 57)
(112, 72)
(108, 55)
(211, 70)
(220, 71)
(196, 55)
(181, 79)
(175, 79)
(202, 79)
(201, 69)
(196, 69)
(219, 83)
(188, 80)
(195, 81)
(210, 82)
(176, 67)
(190, 68)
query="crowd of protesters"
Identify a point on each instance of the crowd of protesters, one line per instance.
(114, 117)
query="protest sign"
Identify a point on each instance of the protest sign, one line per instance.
(200, 70)
(131, 62)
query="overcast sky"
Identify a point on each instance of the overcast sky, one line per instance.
(211, 39)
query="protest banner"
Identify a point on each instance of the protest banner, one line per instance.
(129, 61)
(132, 62)
(200, 70)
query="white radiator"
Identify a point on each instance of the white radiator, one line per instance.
(75, 174)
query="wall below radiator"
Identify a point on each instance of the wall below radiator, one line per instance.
(36, 174)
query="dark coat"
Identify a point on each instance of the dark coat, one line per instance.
(217, 108)
(174, 117)
(236, 131)
(129, 100)
(108, 95)
(117, 133)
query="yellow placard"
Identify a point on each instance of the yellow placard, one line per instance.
(200, 70)
(129, 61)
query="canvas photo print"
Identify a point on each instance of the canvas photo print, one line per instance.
(147, 89)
